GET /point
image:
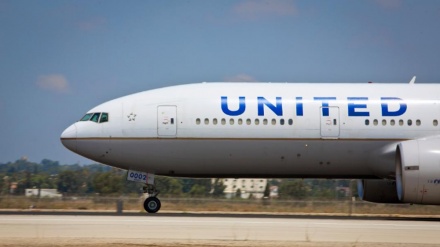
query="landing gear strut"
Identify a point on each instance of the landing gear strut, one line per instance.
(151, 204)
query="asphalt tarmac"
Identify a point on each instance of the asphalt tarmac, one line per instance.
(211, 230)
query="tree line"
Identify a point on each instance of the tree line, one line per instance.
(98, 179)
(94, 179)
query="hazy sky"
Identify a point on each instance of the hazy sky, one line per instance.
(58, 59)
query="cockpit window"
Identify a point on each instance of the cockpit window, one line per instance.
(95, 117)
(86, 117)
(104, 117)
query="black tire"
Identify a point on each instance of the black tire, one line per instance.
(152, 205)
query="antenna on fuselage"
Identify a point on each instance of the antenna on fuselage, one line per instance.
(413, 80)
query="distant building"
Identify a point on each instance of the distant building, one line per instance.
(248, 187)
(51, 193)
(13, 187)
(273, 191)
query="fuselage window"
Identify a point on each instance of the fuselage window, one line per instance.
(231, 121)
(418, 122)
(240, 121)
(375, 122)
(274, 121)
(206, 121)
(223, 121)
(248, 121)
(104, 117)
(198, 121)
(401, 122)
(409, 122)
(257, 121)
(214, 121)
(392, 122)
(367, 122)
(384, 122)
(86, 117)
(435, 122)
(265, 121)
(95, 117)
(290, 121)
(282, 121)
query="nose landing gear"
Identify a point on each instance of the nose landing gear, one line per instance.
(152, 203)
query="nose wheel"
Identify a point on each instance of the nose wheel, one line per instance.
(152, 203)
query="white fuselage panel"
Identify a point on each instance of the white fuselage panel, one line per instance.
(261, 129)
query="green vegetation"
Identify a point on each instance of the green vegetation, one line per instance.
(95, 179)
(102, 180)
(100, 187)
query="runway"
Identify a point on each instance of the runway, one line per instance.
(61, 230)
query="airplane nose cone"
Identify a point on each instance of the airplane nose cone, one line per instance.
(68, 137)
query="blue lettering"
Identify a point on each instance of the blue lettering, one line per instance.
(353, 106)
(356, 106)
(325, 111)
(241, 107)
(387, 113)
(277, 109)
(299, 106)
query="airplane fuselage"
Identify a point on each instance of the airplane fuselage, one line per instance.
(260, 129)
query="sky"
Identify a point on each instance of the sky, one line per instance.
(58, 59)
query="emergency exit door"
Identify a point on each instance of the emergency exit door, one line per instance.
(166, 121)
(329, 122)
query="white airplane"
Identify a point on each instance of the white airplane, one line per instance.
(387, 135)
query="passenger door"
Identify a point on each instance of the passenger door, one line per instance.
(330, 123)
(167, 121)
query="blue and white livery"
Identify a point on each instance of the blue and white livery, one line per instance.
(387, 135)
